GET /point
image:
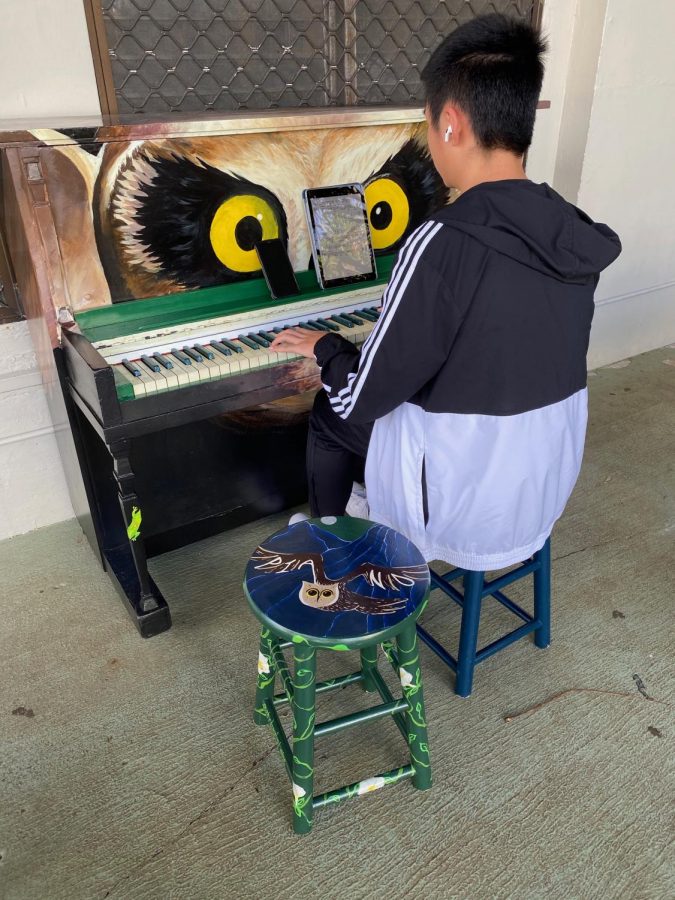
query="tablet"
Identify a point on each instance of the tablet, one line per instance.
(338, 227)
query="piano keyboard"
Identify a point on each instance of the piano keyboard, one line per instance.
(226, 352)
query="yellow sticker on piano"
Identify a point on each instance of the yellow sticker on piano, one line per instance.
(134, 528)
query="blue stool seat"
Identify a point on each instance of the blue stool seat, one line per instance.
(476, 588)
(336, 582)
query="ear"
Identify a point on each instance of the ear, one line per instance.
(454, 118)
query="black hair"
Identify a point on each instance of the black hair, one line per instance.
(491, 67)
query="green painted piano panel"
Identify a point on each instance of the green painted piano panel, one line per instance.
(138, 316)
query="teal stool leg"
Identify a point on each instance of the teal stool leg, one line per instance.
(266, 674)
(368, 663)
(468, 635)
(411, 681)
(542, 596)
(304, 691)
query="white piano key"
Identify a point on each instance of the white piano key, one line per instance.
(184, 371)
(133, 380)
(213, 367)
(156, 377)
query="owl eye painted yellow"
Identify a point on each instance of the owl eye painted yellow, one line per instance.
(312, 592)
(238, 224)
(326, 593)
(388, 211)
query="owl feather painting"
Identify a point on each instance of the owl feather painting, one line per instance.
(327, 594)
(165, 214)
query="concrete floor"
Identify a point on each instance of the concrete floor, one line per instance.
(131, 769)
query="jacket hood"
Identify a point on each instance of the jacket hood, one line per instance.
(534, 225)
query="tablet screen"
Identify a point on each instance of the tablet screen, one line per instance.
(341, 234)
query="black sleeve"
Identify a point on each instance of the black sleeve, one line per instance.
(407, 347)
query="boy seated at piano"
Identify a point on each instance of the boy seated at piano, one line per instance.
(468, 402)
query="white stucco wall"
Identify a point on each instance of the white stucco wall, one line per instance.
(628, 177)
(606, 145)
(32, 486)
(46, 67)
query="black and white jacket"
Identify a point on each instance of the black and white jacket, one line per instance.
(475, 374)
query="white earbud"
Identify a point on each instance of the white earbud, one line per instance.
(448, 132)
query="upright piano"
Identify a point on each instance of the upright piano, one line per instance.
(132, 245)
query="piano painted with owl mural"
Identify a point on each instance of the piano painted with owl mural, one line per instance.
(132, 246)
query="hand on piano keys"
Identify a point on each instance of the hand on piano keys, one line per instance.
(297, 340)
(219, 357)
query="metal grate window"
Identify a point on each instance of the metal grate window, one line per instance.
(196, 55)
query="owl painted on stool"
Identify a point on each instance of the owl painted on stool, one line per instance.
(335, 596)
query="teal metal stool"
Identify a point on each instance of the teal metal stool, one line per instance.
(476, 589)
(338, 584)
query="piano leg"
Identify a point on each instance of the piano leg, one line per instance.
(127, 564)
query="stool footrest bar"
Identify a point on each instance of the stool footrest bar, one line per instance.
(511, 606)
(452, 575)
(438, 649)
(322, 686)
(507, 639)
(363, 787)
(520, 572)
(452, 592)
(388, 697)
(365, 715)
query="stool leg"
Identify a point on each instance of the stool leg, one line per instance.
(468, 635)
(415, 716)
(368, 663)
(304, 692)
(542, 596)
(267, 672)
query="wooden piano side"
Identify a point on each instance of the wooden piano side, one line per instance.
(34, 251)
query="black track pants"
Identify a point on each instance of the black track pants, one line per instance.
(336, 455)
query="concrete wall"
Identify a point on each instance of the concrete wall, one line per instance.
(628, 177)
(32, 487)
(606, 144)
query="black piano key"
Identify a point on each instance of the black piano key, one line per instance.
(162, 360)
(231, 346)
(152, 364)
(132, 367)
(181, 357)
(367, 314)
(209, 354)
(221, 348)
(192, 353)
(342, 321)
(311, 326)
(248, 342)
(256, 338)
(353, 318)
(331, 326)
(268, 337)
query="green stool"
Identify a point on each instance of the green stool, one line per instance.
(338, 584)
